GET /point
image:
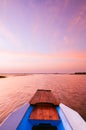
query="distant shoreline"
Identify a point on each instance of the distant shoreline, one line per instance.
(80, 73)
(4, 75)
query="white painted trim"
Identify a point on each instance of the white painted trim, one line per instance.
(74, 119)
(64, 120)
(13, 120)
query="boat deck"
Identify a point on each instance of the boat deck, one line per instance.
(44, 112)
(44, 104)
(44, 96)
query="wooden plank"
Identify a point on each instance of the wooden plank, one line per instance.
(44, 96)
(44, 112)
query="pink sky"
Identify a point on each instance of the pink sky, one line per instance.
(42, 36)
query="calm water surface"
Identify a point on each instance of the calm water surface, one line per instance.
(69, 89)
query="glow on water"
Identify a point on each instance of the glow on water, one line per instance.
(16, 90)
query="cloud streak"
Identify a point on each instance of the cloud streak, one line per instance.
(8, 35)
(66, 3)
(79, 20)
(42, 35)
(30, 61)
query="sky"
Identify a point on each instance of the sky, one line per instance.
(42, 36)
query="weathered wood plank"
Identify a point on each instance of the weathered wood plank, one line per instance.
(44, 112)
(44, 96)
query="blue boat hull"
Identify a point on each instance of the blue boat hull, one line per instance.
(19, 120)
(28, 124)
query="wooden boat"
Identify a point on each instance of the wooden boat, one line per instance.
(44, 112)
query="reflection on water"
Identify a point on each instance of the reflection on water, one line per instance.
(69, 89)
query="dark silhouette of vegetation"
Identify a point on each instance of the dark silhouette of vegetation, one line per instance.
(2, 76)
(80, 72)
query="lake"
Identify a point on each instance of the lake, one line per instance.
(16, 90)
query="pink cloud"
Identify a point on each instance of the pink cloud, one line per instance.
(51, 56)
(79, 20)
(66, 3)
(69, 40)
(37, 62)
